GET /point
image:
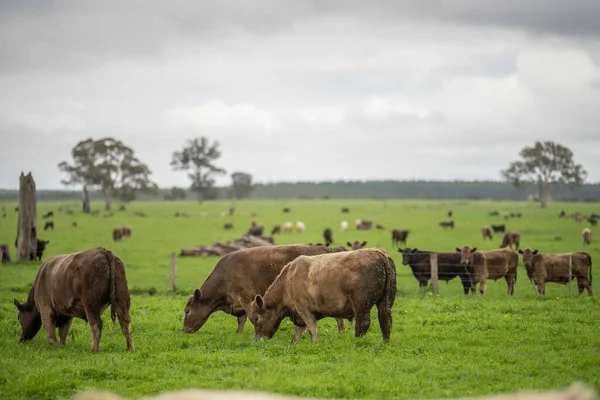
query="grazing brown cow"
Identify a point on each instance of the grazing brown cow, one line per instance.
(357, 245)
(80, 285)
(5, 253)
(399, 236)
(587, 236)
(237, 278)
(126, 231)
(228, 225)
(491, 264)
(49, 225)
(117, 234)
(542, 268)
(447, 224)
(499, 228)
(327, 236)
(511, 238)
(340, 285)
(486, 233)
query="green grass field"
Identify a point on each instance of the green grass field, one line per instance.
(441, 346)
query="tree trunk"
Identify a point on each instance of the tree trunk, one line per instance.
(26, 226)
(544, 194)
(106, 199)
(86, 200)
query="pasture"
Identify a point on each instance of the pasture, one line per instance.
(441, 346)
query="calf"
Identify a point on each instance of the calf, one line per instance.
(327, 236)
(49, 225)
(341, 285)
(511, 238)
(499, 228)
(237, 278)
(542, 268)
(80, 285)
(449, 266)
(447, 224)
(356, 245)
(492, 264)
(486, 233)
(399, 236)
(587, 236)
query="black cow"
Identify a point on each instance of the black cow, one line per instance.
(499, 228)
(39, 251)
(48, 214)
(49, 225)
(449, 267)
(327, 236)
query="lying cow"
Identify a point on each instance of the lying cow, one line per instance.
(237, 278)
(449, 267)
(447, 224)
(542, 268)
(340, 285)
(80, 285)
(399, 236)
(511, 238)
(491, 264)
(486, 233)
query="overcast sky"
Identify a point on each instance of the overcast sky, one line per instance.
(301, 90)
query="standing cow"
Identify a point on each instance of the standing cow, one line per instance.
(449, 266)
(341, 285)
(327, 236)
(343, 226)
(511, 238)
(491, 264)
(399, 236)
(587, 236)
(237, 278)
(542, 268)
(80, 285)
(486, 233)
(447, 224)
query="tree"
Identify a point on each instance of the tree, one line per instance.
(109, 165)
(545, 164)
(175, 194)
(197, 158)
(241, 185)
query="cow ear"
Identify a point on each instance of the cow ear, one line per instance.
(259, 302)
(474, 250)
(363, 244)
(198, 295)
(457, 249)
(17, 304)
(535, 251)
(414, 250)
(520, 251)
(349, 244)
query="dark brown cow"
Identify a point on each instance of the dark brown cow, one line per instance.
(542, 268)
(486, 233)
(126, 231)
(49, 225)
(399, 236)
(5, 253)
(117, 234)
(228, 225)
(340, 285)
(356, 245)
(447, 224)
(237, 278)
(363, 225)
(499, 228)
(511, 238)
(587, 236)
(80, 285)
(491, 264)
(327, 236)
(449, 266)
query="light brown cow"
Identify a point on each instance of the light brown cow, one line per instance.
(542, 268)
(237, 278)
(80, 285)
(511, 238)
(486, 232)
(491, 264)
(341, 285)
(587, 236)
(357, 245)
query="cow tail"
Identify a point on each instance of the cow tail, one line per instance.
(590, 266)
(113, 279)
(390, 282)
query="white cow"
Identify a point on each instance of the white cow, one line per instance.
(344, 226)
(300, 226)
(287, 227)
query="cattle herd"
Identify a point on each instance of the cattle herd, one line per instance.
(303, 282)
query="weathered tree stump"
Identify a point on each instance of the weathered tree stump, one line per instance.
(86, 200)
(27, 224)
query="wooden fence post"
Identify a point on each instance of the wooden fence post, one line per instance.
(433, 258)
(570, 271)
(173, 271)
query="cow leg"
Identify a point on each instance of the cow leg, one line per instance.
(299, 331)
(510, 282)
(384, 314)
(49, 324)
(64, 324)
(340, 324)
(311, 323)
(125, 323)
(580, 286)
(466, 283)
(95, 322)
(482, 287)
(241, 322)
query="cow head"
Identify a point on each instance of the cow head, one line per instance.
(466, 254)
(357, 245)
(528, 257)
(196, 312)
(406, 254)
(30, 320)
(266, 319)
